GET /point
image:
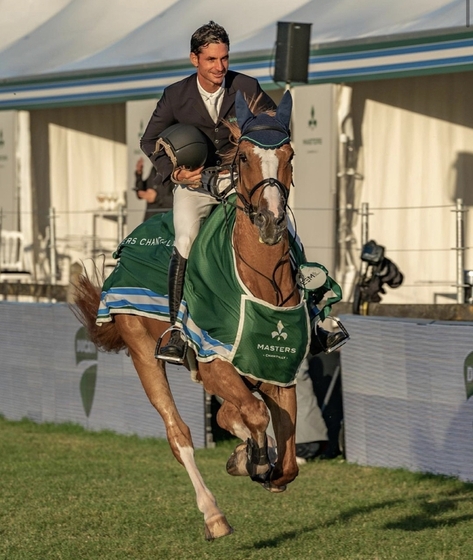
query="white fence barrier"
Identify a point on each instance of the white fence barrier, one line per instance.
(49, 372)
(408, 394)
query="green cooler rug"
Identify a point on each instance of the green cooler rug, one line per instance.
(219, 315)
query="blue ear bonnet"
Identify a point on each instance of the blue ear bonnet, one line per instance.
(263, 130)
(266, 132)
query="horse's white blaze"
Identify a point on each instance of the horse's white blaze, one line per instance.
(205, 499)
(269, 169)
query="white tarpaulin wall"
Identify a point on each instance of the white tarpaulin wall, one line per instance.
(415, 138)
(16, 204)
(415, 160)
(87, 155)
(15, 173)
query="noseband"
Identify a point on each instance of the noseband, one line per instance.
(248, 208)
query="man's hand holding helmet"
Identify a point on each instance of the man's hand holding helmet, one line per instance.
(185, 176)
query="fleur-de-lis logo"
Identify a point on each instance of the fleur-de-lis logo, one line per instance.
(312, 121)
(141, 130)
(279, 333)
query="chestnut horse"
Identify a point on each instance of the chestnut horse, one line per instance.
(261, 164)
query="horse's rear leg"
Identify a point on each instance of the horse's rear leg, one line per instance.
(141, 346)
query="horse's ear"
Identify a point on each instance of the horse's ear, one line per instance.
(284, 110)
(243, 113)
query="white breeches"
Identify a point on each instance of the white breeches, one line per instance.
(191, 207)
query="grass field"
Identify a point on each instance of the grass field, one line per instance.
(70, 494)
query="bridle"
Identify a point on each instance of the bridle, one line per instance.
(251, 211)
(248, 208)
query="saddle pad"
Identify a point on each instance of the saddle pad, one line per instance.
(138, 283)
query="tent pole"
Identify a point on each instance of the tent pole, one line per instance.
(52, 245)
(460, 249)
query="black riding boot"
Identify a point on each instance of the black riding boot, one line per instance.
(175, 349)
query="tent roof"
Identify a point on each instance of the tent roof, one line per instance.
(79, 51)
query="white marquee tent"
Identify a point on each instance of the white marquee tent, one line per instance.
(76, 51)
(74, 72)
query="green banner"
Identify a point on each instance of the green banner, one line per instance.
(86, 351)
(468, 374)
(85, 348)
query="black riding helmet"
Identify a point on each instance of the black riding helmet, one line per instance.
(185, 145)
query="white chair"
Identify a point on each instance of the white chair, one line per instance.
(12, 266)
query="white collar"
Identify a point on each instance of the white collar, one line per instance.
(206, 95)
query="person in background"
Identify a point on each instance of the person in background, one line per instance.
(311, 429)
(158, 197)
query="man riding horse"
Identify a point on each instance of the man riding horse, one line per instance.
(205, 99)
(263, 284)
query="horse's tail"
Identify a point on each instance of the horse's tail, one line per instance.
(86, 299)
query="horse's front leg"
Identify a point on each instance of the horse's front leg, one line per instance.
(282, 403)
(242, 414)
(141, 346)
(229, 418)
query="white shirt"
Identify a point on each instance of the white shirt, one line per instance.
(213, 101)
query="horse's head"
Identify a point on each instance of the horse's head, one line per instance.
(264, 165)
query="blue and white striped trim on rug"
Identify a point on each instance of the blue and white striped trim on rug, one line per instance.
(146, 303)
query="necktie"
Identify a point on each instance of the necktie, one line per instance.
(213, 108)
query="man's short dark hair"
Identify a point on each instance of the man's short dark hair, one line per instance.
(209, 33)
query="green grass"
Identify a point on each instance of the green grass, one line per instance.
(70, 494)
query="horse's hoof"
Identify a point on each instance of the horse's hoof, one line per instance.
(217, 526)
(236, 464)
(270, 487)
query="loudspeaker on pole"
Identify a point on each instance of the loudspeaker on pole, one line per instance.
(292, 52)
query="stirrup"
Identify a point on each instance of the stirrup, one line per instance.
(177, 353)
(334, 340)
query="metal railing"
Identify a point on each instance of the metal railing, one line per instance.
(56, 251)
(460, 248)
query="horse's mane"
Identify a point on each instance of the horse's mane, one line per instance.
(256, 107)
